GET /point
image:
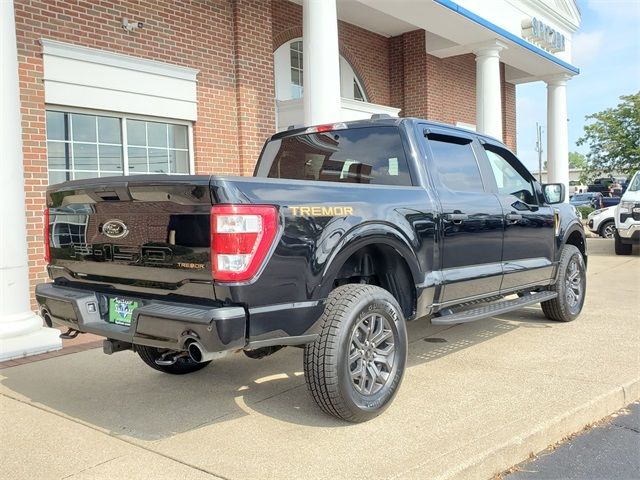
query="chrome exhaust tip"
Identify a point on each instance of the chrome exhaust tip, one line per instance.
(198, 354)
(44, 313)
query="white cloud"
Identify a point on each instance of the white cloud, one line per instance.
(586, 47)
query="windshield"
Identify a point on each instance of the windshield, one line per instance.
(372, 155)
(634, 186)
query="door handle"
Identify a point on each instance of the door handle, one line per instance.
(457, 217)
(514, 217)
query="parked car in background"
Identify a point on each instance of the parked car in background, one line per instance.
(627, 218)
(601, 184)
(602, 222)
(583, 199)
(604, 200)
(576, 187)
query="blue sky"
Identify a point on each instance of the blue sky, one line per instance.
(606, 48)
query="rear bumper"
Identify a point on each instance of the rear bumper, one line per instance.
(155, 323)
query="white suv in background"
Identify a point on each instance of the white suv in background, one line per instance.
(603, 222)
(627, 216)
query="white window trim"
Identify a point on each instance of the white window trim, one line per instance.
(123, 127)
(101, 57)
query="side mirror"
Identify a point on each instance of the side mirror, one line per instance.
(553, 192)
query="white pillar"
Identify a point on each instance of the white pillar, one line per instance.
(489, 89)
(557, 131)
(321, 62)
(21, 331)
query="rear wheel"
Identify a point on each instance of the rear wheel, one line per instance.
(619, 247)
(571, 286)
(182, 366)
(353, 370)
(608, 229)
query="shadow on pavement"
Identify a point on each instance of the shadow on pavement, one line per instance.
(121, 395)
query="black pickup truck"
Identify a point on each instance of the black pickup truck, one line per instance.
(345, 232)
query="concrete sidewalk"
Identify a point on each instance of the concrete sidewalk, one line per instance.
(476, 399)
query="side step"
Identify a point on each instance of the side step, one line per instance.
(493, 309)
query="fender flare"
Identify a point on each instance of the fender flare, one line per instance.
(360, 237)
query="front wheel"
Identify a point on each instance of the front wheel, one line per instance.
(608, 229)
(182, 365)
(571, 286)
(354, 368)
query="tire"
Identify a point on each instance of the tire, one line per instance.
(607, 229)
(182, 366)
(571, 285)
(344, 349)
(621, 248)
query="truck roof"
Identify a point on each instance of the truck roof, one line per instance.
(383, 121)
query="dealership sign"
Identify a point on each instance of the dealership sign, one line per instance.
(537, 32)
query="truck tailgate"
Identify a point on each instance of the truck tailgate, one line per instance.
(145, 234)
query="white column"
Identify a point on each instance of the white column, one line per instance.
(321, 62)
(21, 331)
(557, 131)
(489, 89)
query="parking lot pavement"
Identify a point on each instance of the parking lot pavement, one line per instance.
(608, 451)
(476, 399)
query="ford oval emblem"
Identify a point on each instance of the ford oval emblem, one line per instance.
(115, 229)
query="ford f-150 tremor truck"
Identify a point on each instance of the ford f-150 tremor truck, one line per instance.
(344, 233)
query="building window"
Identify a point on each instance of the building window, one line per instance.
(297, 86)
(289, 68)
(81, 145)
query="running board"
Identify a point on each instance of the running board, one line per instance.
(496, 308)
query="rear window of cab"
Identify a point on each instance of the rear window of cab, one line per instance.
(367, 155)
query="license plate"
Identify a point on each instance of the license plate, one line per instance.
(121, 310)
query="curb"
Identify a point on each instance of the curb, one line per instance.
(503, 456)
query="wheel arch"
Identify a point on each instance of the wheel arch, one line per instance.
(575, 236)
(386, 253)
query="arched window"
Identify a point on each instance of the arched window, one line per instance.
(288, 67)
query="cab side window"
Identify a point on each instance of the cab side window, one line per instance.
(510, 180)
(455, 163)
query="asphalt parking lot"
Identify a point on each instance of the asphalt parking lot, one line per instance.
(476, 399)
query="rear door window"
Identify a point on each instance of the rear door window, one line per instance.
(455, 163)
(369, 155)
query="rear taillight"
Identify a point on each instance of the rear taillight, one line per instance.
(241, 238)
(47, 248)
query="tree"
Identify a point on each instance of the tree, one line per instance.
(576, 160)
(613, 138)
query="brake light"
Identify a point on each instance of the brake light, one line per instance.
(47, 248)
(326, 128)
(241, 238)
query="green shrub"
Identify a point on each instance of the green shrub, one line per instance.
(584, 211)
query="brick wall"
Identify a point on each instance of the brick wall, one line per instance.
(443, 90)
(193, 33)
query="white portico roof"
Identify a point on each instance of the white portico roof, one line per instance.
(457, 28)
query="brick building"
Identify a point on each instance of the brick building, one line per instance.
(119, 87)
